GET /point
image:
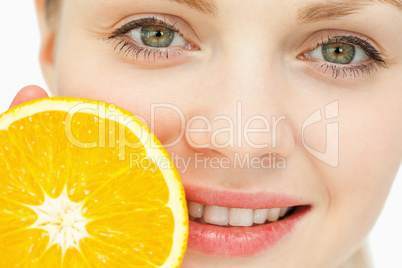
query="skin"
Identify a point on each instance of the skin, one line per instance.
(250, 53)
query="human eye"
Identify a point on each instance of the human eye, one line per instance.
(346, 56)
(151, 39)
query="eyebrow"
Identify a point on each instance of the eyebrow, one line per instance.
(204, 6)
(332, 10)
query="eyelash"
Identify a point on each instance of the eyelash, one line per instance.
(134, 49)
(358, 69)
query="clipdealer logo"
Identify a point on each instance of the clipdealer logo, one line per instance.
(237, 133)
(331, 154)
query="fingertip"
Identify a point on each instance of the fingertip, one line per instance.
(28, 93)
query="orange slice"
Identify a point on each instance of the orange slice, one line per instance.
(86, 184)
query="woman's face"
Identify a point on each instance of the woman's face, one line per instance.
(262, 105)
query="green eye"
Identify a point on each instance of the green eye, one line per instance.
(346, 55)
(338, 53)
(157, 36)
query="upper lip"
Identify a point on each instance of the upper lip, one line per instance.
(240, 199)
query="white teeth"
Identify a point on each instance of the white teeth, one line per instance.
(240, 217)
(283, 212)
(260, 216)
(233, 216)
(195, 209)
(216, 215)
(273, 214)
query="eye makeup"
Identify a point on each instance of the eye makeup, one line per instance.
(134, 48)
(375, 59)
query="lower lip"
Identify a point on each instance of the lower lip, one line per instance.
(241, 241)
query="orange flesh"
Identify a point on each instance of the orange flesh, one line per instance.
(129, 224)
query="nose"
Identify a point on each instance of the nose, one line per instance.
(242, 115)
(239, 134)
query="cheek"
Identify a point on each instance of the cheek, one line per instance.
(369, 149)
(369, 157)
(160, 98)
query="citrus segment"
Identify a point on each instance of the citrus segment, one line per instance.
(17, 182)
(33, 136)
(86, 184)
(129, 192)
(74, 259)
(14, 216)
(100, 254)
(105, 134)
(51, 258)
(22, 247)
(140, 238)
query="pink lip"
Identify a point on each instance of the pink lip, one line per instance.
(232, 199)
(241, 241)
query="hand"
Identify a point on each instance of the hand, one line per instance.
(28, 93)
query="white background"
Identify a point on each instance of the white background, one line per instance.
(19, 61)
